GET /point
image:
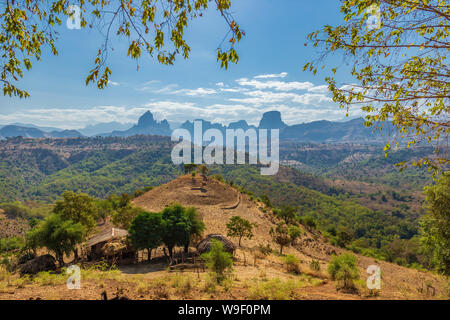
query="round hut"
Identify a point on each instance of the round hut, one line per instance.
(205, 244)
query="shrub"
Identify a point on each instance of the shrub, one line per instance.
(314, 265)
(274, 289)
(309, 222)
(12, 243)
(292, 263)
(218, 260)
(344, 270)
(265, 250)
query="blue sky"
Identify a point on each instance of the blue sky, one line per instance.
(268, 76)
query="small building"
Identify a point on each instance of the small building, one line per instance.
(205, 244)
(110, 244)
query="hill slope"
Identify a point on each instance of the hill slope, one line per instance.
(216, 202)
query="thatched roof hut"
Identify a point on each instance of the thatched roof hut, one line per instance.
(106, 235)
(109, 243)
(205, 245)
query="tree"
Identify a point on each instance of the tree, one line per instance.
(145, 231)
(265, 199)
(435, 225)
(58, 235)
(30, 25)
(188, 167)
(218, 260)
(280, 234)
(105, 208)
(344, 269)
(197, 226)
(344, 237)
(124, 216)
(78, 207)
(176, 227)
(309, 222)
(203, 170)
(240, 228)
(399, 68)
(287, 213)
(294, 232)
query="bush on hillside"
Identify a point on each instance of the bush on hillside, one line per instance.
(344, 270)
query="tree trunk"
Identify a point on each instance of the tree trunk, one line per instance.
(186, 248)
(149, 254)
(281, 249)
(75, 254)
(240, 241)
(60, 258)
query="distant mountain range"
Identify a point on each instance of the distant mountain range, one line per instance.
(99, 128)
(146, 125)
(32, 132)
(317, 131)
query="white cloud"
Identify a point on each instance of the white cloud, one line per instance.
(312, 99)
(174, 89)
(234, 90)
(272, 75)
(113, 83)
(195, 92)
(260, 97)
(220, 84)
(221, 113)
(276, 85)
(319, 89)
(74, 118)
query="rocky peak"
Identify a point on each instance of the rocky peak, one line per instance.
(271, 120)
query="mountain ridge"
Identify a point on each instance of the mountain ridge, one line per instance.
(319, 131)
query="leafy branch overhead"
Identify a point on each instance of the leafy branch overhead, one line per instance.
(155, 27)
(400, 69)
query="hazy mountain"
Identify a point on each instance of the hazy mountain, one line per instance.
(66, 134)
(241, 124)
(99, 128)
(27, 132)
(30, 125)
(146, 125)
(317, 131)
(328, 131)
(272, 120)
(206, 125)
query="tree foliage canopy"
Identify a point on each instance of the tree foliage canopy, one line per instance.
(156, 27)
(240, 228)
(145, 231)
(78, 207)
(435, 225)
(176, 227)
(58, 235)
(400, 68)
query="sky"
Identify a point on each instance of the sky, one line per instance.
(267, 77)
